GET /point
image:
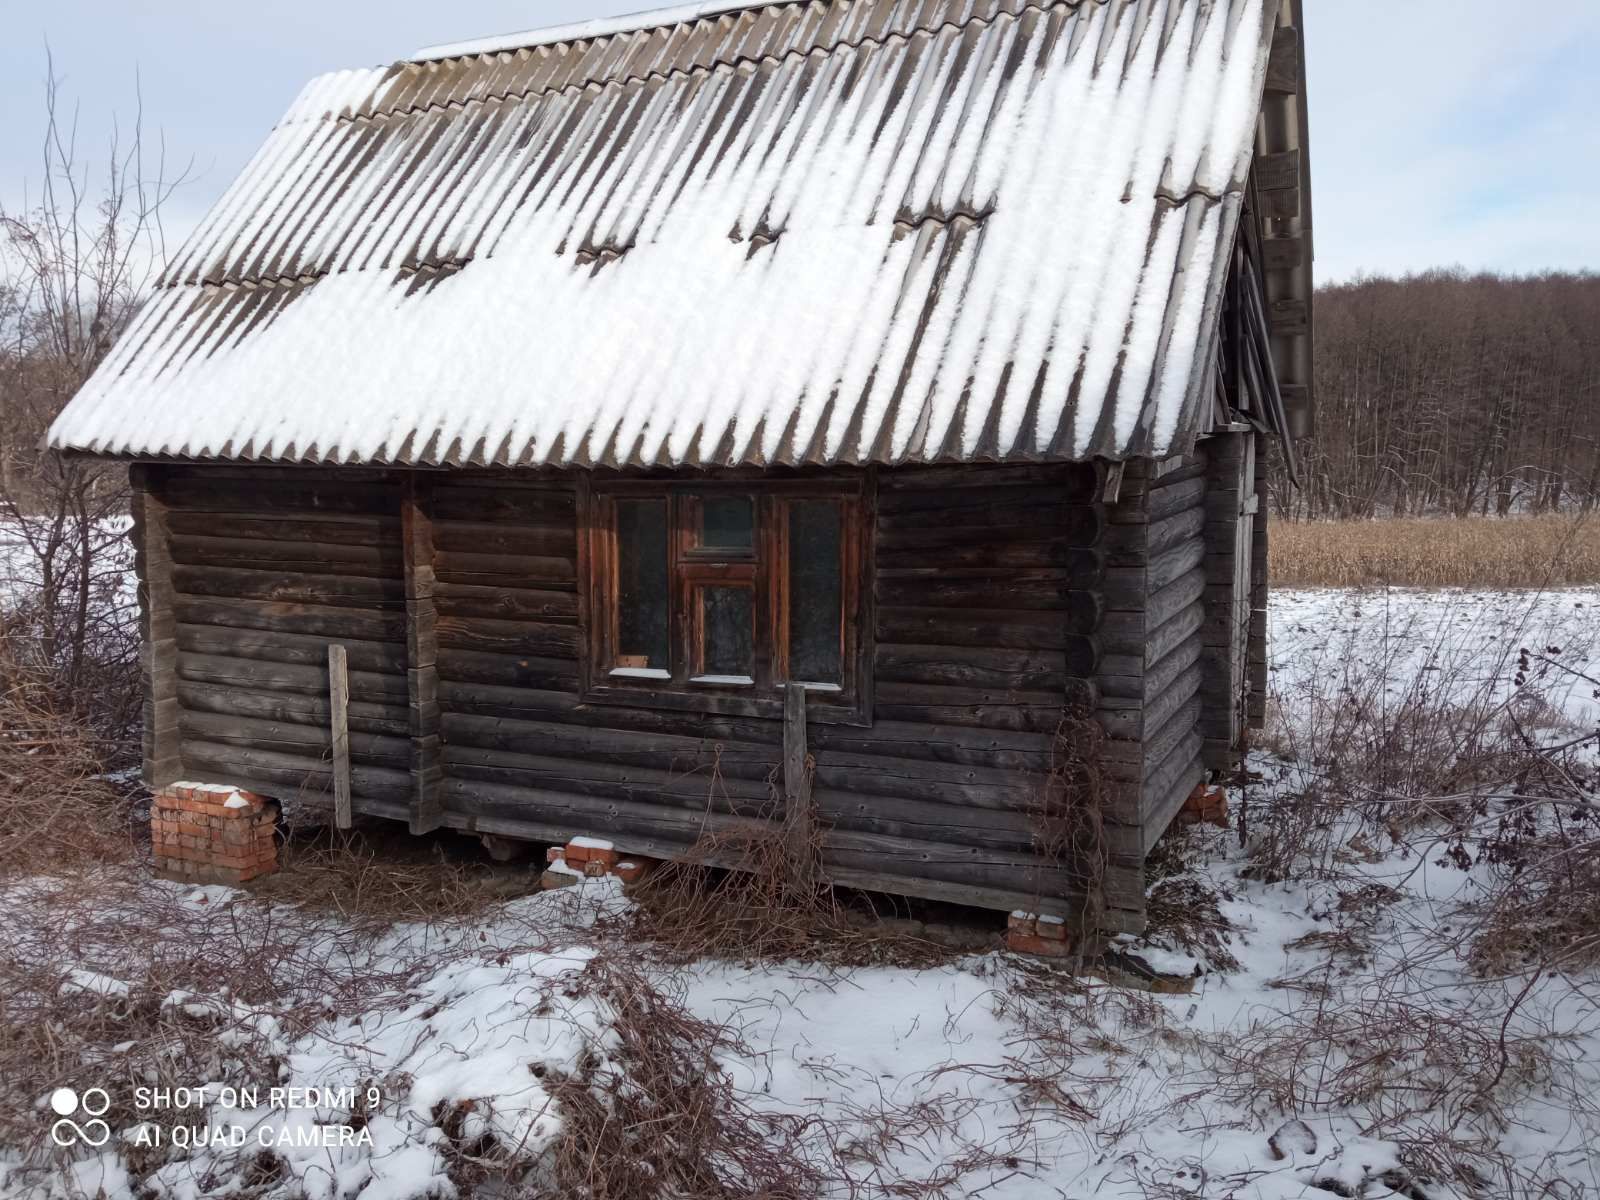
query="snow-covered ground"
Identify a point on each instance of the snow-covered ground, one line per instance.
(1347, 1050)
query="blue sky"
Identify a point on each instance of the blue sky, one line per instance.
(1443, 132)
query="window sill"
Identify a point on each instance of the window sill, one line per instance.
(639, 673)
(723, 680)
(826, 704)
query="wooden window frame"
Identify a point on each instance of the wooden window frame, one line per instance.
(764, 569)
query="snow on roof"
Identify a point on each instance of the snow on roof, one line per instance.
(842, 231)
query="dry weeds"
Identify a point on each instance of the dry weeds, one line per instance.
(56, 803)
(1499, 552)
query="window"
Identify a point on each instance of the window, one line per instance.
(713, 597)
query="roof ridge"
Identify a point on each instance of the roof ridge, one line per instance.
(595, 27)
(706, 68)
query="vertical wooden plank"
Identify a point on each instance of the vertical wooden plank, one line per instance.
(798, 820)
(158, 630)
(339, 715)
(422, 656)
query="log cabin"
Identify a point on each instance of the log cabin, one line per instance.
(670, 421)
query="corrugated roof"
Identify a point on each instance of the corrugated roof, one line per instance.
(839, 231)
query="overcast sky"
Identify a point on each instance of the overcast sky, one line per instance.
(1443, 132)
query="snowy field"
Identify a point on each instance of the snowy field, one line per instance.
(1334, 1043)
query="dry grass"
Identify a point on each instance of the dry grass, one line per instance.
(1510, 552)
(55, 802)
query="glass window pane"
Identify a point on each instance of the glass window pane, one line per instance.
(642, 584)
(816, 593)
(727, 523)
(728, 621)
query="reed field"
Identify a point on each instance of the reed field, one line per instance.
(1556, 550)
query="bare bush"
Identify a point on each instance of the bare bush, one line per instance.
(74, 265)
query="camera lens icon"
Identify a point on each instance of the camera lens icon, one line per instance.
(94, 1103)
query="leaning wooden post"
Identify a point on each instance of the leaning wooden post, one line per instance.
(422, 672)
(339, 715)
(799, 828)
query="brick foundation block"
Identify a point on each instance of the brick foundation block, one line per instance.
(212, 833)
(583, 849)
(1032, 943)
(632, 870)
(1205, 805)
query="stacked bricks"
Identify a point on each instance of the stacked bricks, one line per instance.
(1205, 806)
(590, 858)
(1034, 933)
(212, 833)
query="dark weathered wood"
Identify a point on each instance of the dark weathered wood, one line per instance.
(422, 657)
(339, 726)
(239, 584)
(1069, 525)
(972, 666)
(262, 675)
(987, 627)
(991, 614)
(158, 646)
(799, 821)
(295, 708)
(285, 647)
(1283, 62)
(274, 617)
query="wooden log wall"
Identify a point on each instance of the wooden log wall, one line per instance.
(1150, 670)
(1230, 536)
(268, 567)
(987, 611)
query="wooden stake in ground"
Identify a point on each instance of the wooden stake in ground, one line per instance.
(798, 827)
(339, 706)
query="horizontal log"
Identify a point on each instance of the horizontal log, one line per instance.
(503, 503)
(1167, 501)
(564, 813)
(288, 677)
(280, 647)
(494, 570)
(1066, 525)
(1016, 512)
(507, 670)
(303, 709)
(312, 493)
(988, 554)
(1073, 478)
(1014, 717)
(1174, 562)
(326, 529)
(517, 638)
(372, 560)
(294, 738)
(1133, 545)
(1156, 678)
(558, 539)
(1129, 632)
(970, 666)
(289, 587)
(988, 627)
(1017, 590)
(313, 620)
(676, 753)
(605, 781)
(919, 820)
(298, 771)
(557, 603)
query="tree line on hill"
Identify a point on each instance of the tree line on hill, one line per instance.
(1452, 394)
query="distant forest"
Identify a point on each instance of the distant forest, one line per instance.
(1453, 394)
